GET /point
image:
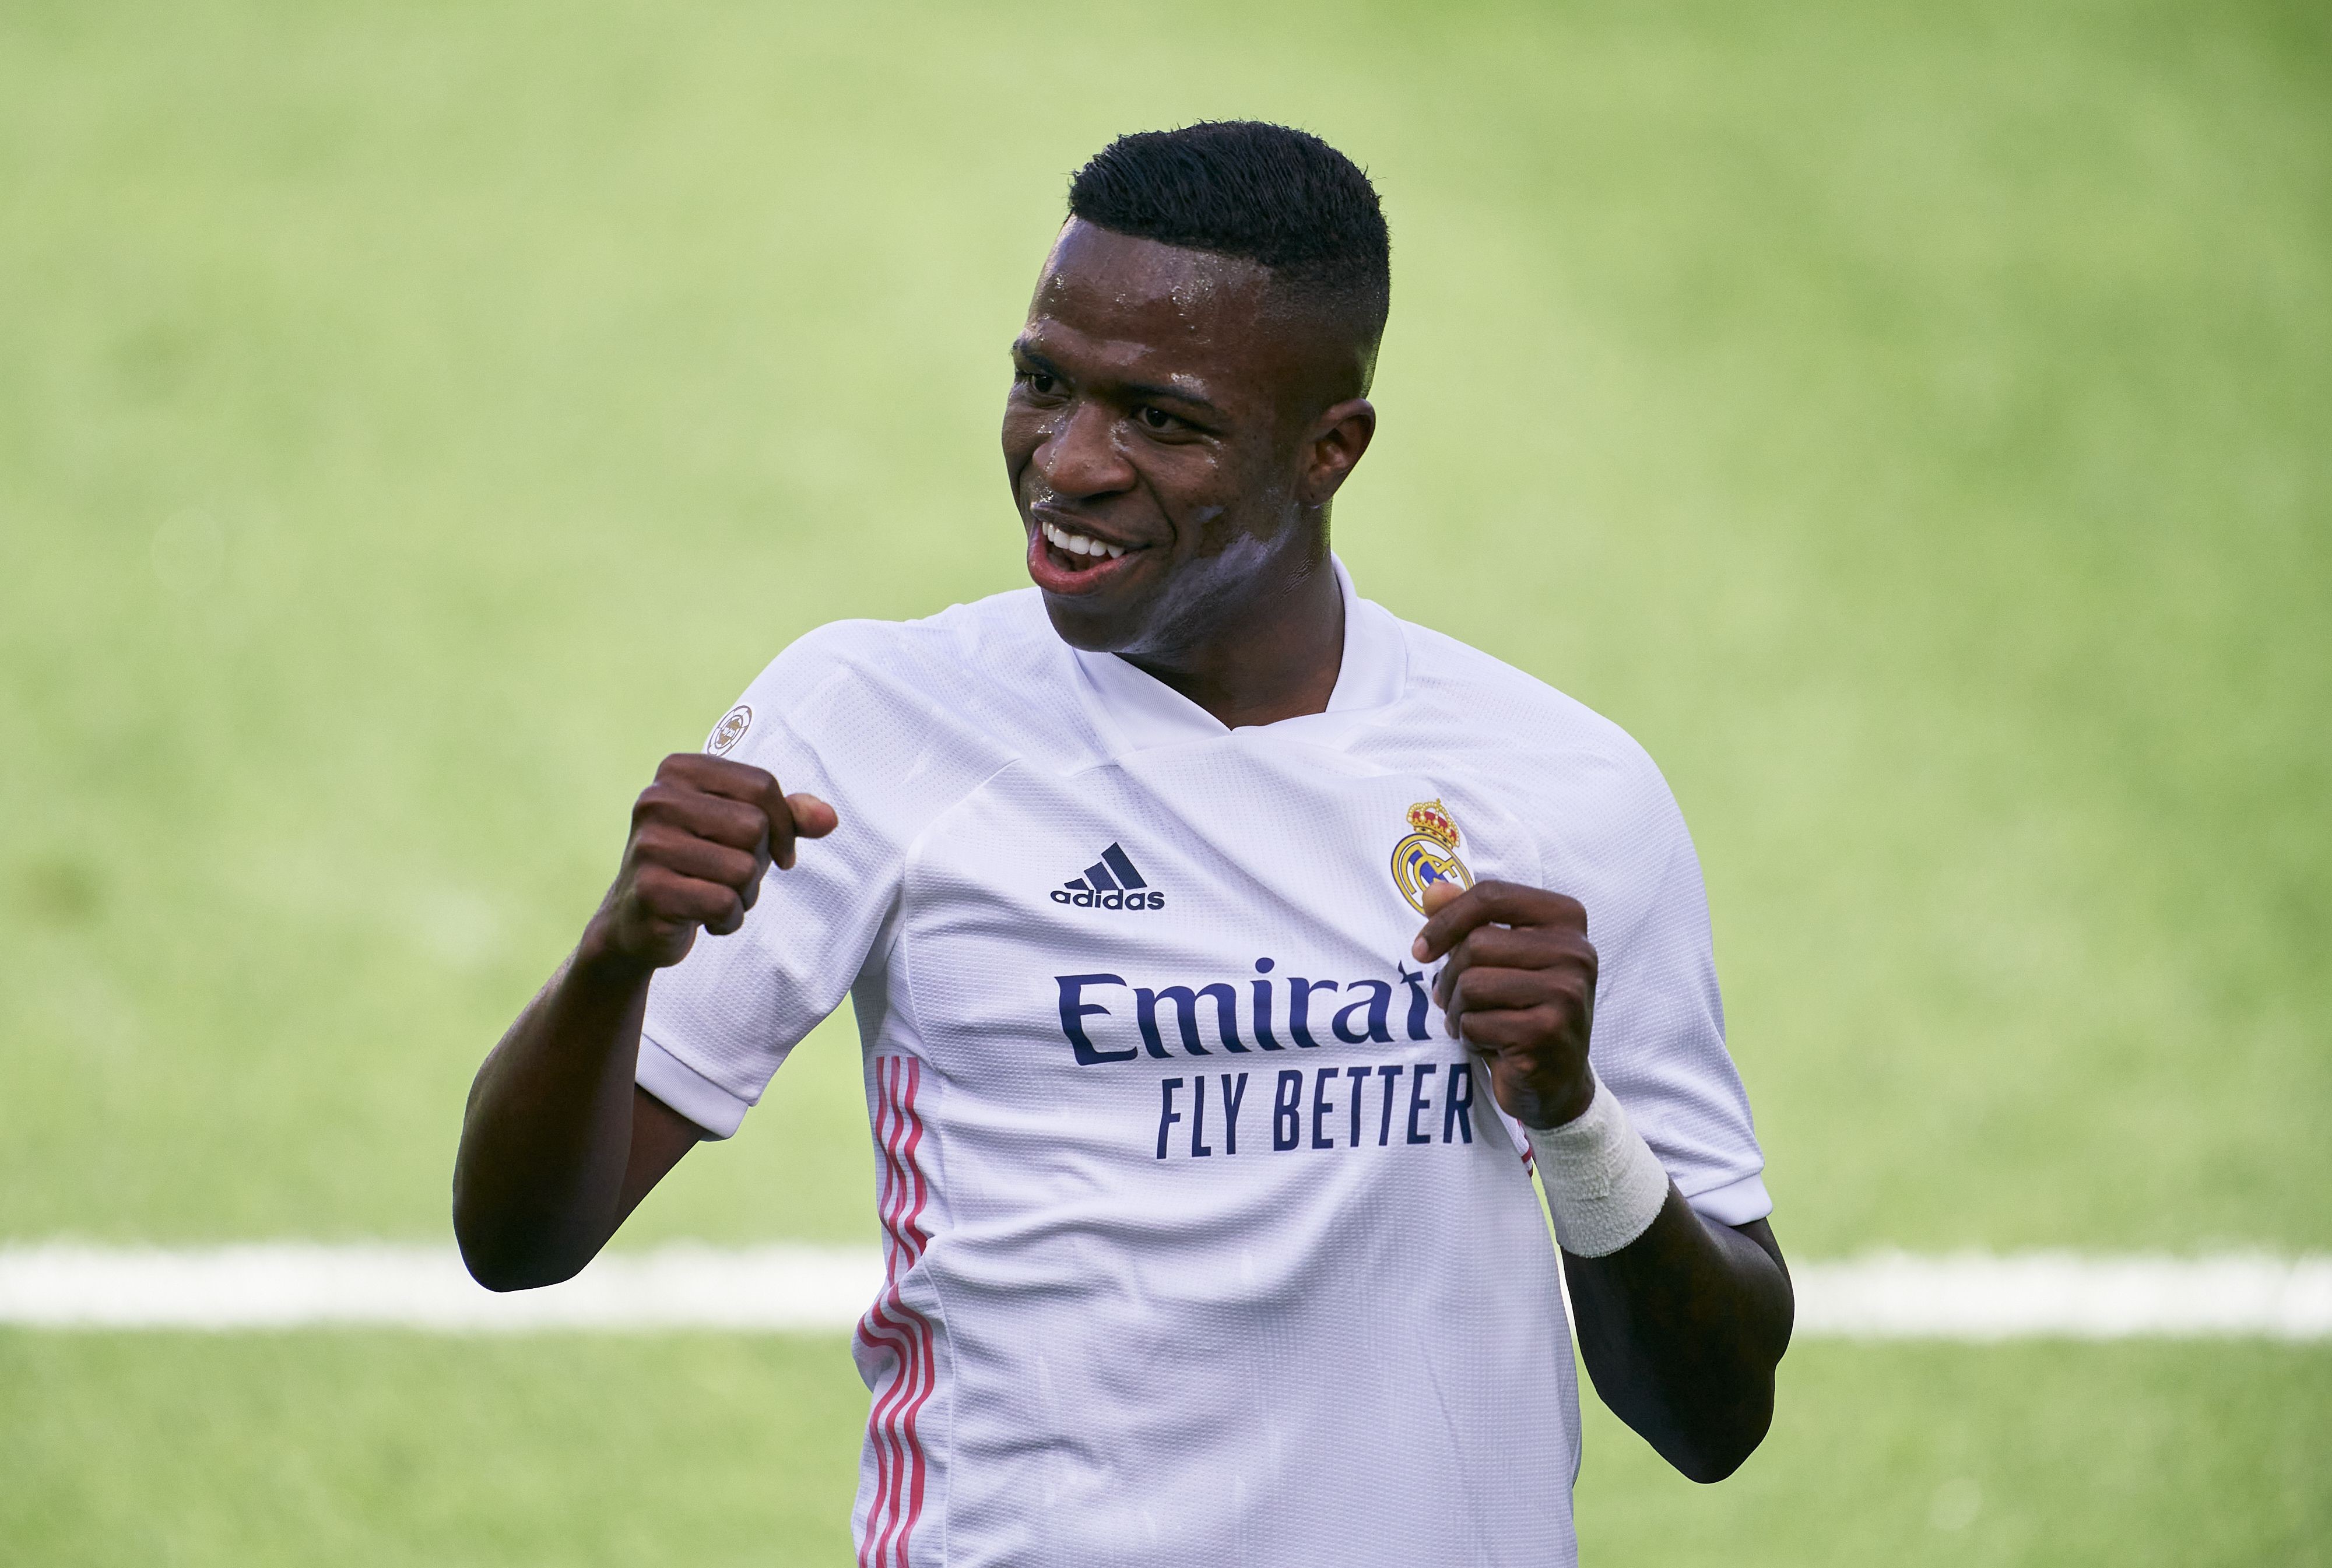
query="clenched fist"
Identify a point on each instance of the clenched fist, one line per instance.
(702, 836)
(1520, 989)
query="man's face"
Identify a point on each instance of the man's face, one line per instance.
(1162, 413)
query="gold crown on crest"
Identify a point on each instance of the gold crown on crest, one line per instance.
(1432, 818)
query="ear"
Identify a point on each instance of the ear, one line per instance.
(1333, 447)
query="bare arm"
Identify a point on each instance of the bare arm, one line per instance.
(1682, 1327)
(1681, 1330)
(558, 1144)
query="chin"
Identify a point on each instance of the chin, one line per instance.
(1092, 628)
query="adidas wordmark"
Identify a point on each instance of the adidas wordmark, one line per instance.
(1110, 882)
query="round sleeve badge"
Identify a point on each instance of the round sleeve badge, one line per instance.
(730, 731)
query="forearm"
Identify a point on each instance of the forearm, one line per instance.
(539, 1184)
(1681, 1330)
(1681, 1322)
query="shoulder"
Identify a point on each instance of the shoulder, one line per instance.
(991, 664)
(946, 699)
(987, 642)
(1489, 711)
(1599, 816)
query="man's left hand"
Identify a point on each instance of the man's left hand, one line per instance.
(1519, 990)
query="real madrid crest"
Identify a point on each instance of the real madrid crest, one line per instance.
(730, 731)
(1429, 855)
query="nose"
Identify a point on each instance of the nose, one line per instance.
(1079, 456)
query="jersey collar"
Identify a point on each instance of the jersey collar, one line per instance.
(1137, 711)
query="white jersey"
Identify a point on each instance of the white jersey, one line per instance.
(1205, 1245)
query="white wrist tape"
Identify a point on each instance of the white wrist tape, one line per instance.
(1603, 1183)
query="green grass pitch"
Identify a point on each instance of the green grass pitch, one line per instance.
(389, 1449)
(1910, 421)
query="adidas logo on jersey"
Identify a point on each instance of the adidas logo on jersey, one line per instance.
(1110, 882)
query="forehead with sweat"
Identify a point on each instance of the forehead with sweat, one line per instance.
(1222, 318)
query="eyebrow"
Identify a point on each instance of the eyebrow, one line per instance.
(1148, 391)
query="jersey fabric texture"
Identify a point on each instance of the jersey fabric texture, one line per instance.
(1205, 1245)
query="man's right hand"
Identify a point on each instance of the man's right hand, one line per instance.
(702, 837)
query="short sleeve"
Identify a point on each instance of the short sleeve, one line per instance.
(881, 721)
(720, 1022)
(1658, 1039)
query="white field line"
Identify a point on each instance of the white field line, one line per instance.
(1966, 1296)
(300, 1285)
(1979, 1296)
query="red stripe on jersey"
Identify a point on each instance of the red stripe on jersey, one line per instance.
(892, 1325)
(921, 1328)
(875, 1330)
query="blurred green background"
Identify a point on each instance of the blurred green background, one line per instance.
(1913, 423)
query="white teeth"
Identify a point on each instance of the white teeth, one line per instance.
(1079, 544)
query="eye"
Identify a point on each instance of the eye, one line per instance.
(1041, 383)
(1155, 418)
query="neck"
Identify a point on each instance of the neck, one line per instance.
(1277, 659)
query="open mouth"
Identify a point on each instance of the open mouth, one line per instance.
(1074, 545)
(1064, 560)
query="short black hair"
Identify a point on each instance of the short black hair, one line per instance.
(1266, 193)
